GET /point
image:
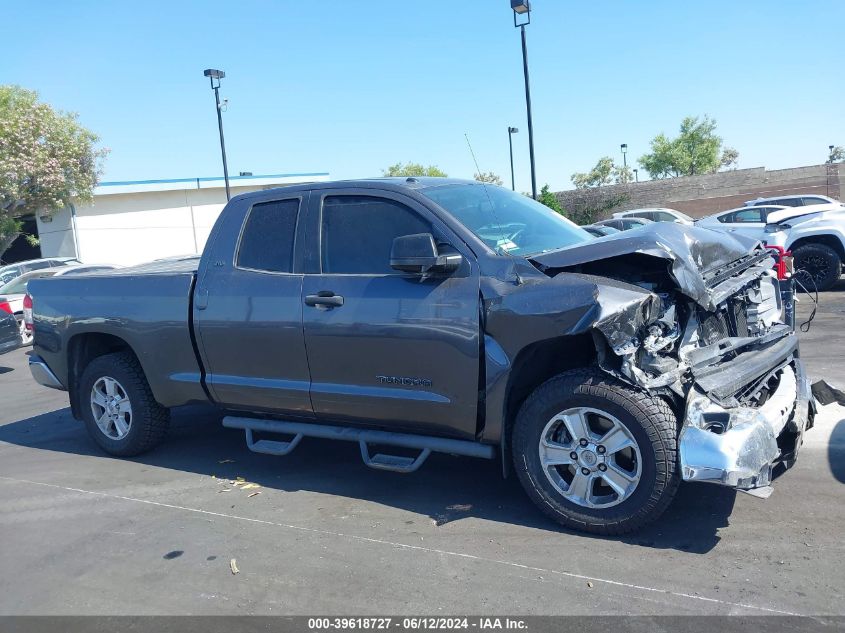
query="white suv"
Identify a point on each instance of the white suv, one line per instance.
(749, 221)
(816, 236)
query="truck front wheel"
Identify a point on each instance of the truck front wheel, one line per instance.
(118, 407)
(595, 454)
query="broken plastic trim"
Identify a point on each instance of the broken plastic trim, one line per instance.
(737, 446)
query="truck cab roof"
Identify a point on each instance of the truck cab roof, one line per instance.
(391, 183)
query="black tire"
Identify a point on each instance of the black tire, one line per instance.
(649, 420)
(149, 420)
(818, 262)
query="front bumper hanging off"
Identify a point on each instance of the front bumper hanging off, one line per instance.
(738, 446)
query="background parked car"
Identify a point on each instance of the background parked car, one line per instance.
(10, 336)
(624, 224)
(13, 292)
(816, 237)
(815, 234)
(10, 271)
(793, 201)
(599, 230)
(750, 221)
(658, 214)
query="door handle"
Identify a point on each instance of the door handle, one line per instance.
(325, 299)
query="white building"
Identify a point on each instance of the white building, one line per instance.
(137, 221)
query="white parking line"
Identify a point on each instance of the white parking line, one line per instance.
(418, 548)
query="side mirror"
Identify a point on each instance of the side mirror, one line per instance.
(418, 254)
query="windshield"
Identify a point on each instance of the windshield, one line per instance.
(18, 286)
(506, 221)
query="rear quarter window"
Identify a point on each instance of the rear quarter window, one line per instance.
(268, 237)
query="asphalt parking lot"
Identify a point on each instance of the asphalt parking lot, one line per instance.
(84, 533)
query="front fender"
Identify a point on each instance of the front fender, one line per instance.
(552, 312)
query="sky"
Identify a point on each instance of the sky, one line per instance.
(350, 87)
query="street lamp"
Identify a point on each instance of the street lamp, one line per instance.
(521, 17)
(214, 74)
(636, 175)
(624, 148)
(830, 156)
(511, 132)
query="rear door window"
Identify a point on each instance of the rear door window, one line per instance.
(663, 216)
(812, 200)
(268, 237)
(748, 216)
(46, 263)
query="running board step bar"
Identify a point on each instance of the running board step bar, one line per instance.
(396, 463)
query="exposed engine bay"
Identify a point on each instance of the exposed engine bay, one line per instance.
(704, 329)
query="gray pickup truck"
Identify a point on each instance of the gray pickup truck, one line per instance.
(418, 315)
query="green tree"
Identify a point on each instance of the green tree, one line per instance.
(605, 172)
(837, 154)
(489, 177)
(588, 204)
(46, 159)
(696, 150)
(413, 169)
(549, 199)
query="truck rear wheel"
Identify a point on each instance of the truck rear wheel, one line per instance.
(595, 454)
(118, 407)
(818, 262)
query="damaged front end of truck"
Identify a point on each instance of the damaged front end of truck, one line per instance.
(695, 316)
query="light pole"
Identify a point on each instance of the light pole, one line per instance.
(213, 74)
(624, 148)
(830, 156)
(523, 8)
(636, 175)
(511, 132)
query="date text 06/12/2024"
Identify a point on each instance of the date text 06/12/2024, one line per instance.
(416, 623)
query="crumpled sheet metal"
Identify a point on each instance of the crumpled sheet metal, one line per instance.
(741, 456)
(690, 251)
(569, 304)
(624, 311)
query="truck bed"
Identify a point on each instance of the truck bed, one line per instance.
(147, 307)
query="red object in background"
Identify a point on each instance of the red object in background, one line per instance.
(27, 313)
(784, 261)
(4, 305)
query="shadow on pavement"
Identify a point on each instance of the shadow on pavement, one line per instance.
(445, 489)
(836, 451)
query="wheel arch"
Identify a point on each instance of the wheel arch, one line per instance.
(827, 239)
(84, 348)
(533, 365)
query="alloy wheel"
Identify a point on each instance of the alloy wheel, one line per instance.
(111, 408)
(590, 457)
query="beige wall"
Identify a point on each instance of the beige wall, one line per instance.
(703, 195)
(130, 228)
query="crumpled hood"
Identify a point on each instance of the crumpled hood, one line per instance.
(691, 250)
